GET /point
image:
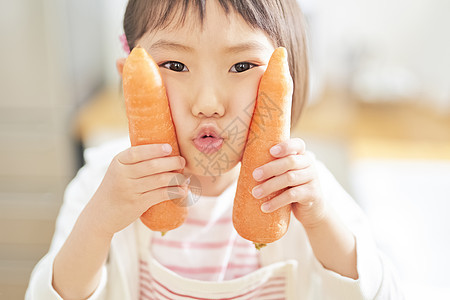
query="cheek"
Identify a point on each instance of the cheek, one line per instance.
(243, 99)
(175, 94)
(178, 110)
(175, 104)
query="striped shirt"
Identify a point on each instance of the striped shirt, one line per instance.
(273, 289)
(208, 248)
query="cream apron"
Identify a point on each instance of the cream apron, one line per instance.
(265, 283)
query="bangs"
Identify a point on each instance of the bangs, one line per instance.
(158, 15)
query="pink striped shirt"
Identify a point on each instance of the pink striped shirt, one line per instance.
(206, 247)
(151, 288)
(213, 252)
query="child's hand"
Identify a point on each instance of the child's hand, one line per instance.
(136, 179)
(294, 169)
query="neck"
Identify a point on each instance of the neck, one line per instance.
(213, 186)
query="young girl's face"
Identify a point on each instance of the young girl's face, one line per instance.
(211, 78)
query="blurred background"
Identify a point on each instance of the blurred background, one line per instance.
(378, 117)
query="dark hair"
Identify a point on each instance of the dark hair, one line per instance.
(282, 20)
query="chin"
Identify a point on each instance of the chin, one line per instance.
(201, 165)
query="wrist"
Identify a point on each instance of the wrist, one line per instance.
(315, 218)
(90, 221)
(319, 222)
(333, 245)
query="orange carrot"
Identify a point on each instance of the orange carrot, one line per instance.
(269, 126)
(150, 122)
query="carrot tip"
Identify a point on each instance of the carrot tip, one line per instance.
(258, 246)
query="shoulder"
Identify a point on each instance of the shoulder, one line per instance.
(339, 198)
(97, 160)
(326, 177)
(103, 154)
(334, 193)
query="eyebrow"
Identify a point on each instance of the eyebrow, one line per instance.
(247, 46)
(168, 45)
(251, 45)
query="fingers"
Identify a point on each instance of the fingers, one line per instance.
(291, 146)
(155, 166)
(147, 172)
(282, 165)
(163, 194)
(145, 160)
(141, 153)
(288, 179)
(304, 195)
(153, 182)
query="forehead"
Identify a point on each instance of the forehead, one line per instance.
(219, 29)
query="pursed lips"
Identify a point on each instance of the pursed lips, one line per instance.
(208, 141)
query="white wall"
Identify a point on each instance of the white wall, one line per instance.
(404, 45)
(407, 204)
(113, 28)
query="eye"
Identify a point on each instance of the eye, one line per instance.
(174, 66)
(241, 67)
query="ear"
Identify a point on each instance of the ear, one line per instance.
(119, 65)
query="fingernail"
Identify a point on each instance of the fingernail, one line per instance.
(167, 148)
(257, 174)
(265, 207)
(257, 192)
(275, 150)
(188, 180)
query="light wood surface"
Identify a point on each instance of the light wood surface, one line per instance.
(405, 130)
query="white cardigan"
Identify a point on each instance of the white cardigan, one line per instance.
(120, 274)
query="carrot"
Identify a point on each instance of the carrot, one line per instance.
(270, 125)
(150, 122)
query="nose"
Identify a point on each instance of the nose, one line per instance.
(208, 102)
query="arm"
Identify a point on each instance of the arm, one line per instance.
(136, 179)
(77, 266)
(130, 186)
(334, 245)
(76, 196)
(346, 258)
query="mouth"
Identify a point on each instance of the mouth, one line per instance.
(208, 140)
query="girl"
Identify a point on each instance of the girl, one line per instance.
(212, 55)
